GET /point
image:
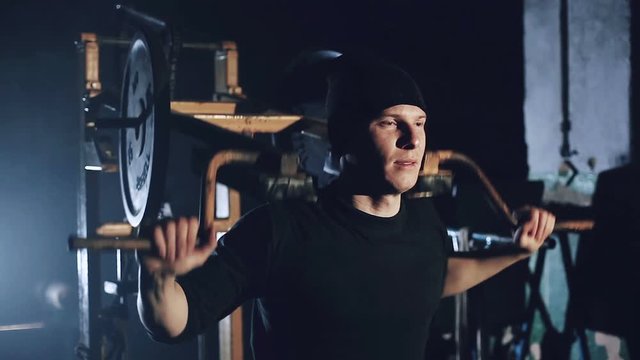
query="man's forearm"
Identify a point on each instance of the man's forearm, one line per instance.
(162, 304)
(465, 273)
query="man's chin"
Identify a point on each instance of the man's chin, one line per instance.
(404, 183)
(403, 187)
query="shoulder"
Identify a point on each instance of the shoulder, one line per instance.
(291, 214)
(290, 205)
(276, 210)
(280, 213)
(423, 217)
(423, 209)
(256, 218)
(290, 210)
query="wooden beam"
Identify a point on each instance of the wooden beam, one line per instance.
(203, 107)
(249, 124)
(92, 63)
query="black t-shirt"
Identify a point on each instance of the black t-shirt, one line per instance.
(330, 281)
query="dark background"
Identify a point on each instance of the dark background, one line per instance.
(467, 56)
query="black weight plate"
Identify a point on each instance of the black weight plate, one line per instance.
(143, 149)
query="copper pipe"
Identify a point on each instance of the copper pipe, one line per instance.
(436, 158)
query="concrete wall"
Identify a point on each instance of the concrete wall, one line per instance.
(599, 99)
(599, 71)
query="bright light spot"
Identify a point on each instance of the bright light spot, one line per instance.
(93, 168)
(27, 326)
(222, 201)
(110, 288)
(55, 293)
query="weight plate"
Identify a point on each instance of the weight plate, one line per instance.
(143, 149)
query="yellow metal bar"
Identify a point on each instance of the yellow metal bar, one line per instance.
(92, 63)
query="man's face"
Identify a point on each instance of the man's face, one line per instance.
(399, 139)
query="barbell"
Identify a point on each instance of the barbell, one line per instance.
(432, 180)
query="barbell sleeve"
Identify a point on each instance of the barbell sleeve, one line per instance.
(131, 243)
(99, 243)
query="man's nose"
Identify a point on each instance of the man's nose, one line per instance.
(410, 138)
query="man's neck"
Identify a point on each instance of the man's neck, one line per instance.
(382, 206)
(364, 195)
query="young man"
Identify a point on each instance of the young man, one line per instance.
(356, 275)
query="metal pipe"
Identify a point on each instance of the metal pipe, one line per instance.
(444, 157)
(110, 40)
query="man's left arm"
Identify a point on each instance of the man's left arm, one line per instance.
(465, 273)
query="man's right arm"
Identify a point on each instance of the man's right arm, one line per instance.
(162, 304)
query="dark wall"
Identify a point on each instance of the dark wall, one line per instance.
(466, 56)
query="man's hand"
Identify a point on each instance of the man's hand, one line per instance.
(536, 226)
(464, 273)
(175, 247)
(162, 303)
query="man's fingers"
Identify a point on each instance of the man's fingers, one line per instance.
(153, 264)
(212, 242)
(550, 224)
(535, 221)
(207, 248)
(181, 238)
(537, 227)
(541, 232)
(192, 235)
(170, 234)
(525, 232)
(177, 248)
(523, 214)
(160, 241)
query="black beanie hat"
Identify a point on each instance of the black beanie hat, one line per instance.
(360, 88)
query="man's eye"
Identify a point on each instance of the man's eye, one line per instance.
(387, 123)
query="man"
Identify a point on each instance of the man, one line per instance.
(356, 275)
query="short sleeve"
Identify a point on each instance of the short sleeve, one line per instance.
(234, 273)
